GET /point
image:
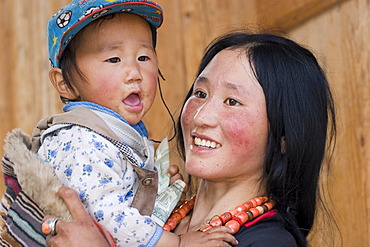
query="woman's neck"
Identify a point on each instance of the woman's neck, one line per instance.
(215, 198)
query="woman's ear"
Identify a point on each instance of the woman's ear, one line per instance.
(56, 78)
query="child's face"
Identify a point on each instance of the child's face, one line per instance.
(118, 60)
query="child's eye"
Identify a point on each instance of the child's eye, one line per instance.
(232, 102)
(113, 60)
(143, 58)
(200, 94)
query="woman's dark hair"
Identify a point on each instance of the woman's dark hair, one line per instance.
(301, 116)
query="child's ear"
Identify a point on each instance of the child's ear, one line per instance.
(56, 78)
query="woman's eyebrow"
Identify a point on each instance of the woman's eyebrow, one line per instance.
(201, 79)
(239, 88)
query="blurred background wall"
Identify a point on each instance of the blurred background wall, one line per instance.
(337, 32)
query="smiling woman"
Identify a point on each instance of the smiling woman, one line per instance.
(220, 111)
(267, 104)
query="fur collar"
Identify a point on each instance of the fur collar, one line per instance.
(36, 179)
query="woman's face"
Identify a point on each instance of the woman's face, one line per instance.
(224, 122)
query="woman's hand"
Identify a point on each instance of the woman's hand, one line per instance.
(174, 172)
(220, 236)
(81, 231)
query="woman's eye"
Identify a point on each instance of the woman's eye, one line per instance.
(114, 60)
(232, 102)
(200, 94)
(143, 58)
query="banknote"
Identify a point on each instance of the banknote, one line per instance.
(167, 201)
(162, 163)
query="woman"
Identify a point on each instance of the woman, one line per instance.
(255, 123)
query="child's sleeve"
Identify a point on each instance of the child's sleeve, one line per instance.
(105, 182)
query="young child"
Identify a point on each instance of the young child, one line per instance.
(105, 70)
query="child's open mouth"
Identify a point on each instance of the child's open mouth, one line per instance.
(132, 100)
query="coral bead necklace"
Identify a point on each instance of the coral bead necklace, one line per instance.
(233, 218)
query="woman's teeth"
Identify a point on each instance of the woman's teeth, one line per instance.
(205, 143)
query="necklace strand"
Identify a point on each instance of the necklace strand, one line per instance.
(234, 218)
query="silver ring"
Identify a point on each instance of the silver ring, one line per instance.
(48, 227)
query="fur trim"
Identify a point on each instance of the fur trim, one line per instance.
(36, 178)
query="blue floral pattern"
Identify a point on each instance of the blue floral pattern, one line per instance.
(105, 181)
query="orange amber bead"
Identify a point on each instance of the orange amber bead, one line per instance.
(233, 224)
(45, 227)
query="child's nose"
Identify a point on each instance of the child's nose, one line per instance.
(133, 73)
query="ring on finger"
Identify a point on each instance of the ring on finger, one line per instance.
(49, 226)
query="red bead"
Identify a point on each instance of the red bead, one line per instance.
(166, 228)
(248, 205)
(241, 208)
(172, 224)
(190, 203)
(205, 228)
(243, 216)
(233, 212)
(172, 220)
(187, 207)
(269, 205)
(225, 217)
(253, 201)
(182, 212)
(255, 212)
(233, 224)
(216, 222)
(259, 200)
(176, 216)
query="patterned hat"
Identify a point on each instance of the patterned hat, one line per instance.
(65, 24)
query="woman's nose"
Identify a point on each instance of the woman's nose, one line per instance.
(205, 115)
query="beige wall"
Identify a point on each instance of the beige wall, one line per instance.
(340, 38)
(338, 35)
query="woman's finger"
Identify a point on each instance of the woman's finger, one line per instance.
(73, 203)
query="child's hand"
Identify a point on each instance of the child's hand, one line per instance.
(220, 236)
(175, 175)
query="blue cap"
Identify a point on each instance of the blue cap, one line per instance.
(67, 22)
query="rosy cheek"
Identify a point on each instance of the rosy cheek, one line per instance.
(242, 129)
(188, 113)
(237, 130)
